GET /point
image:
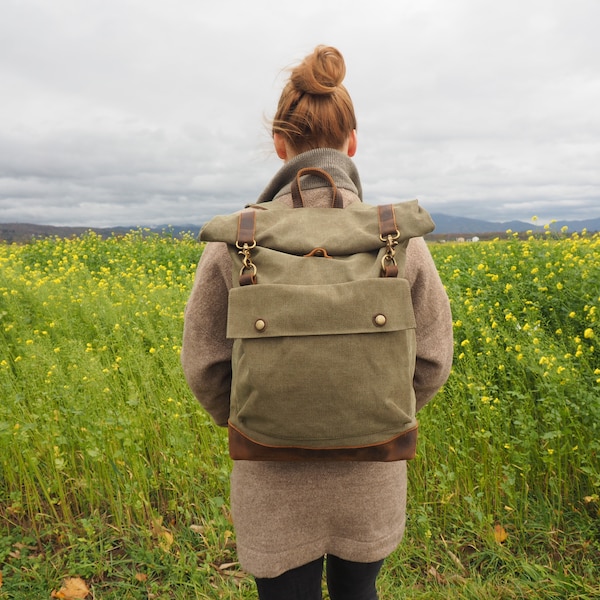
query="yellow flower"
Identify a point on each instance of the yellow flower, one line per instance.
(588, 333)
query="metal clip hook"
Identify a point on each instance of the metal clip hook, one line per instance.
(247, 264)
(389, 258)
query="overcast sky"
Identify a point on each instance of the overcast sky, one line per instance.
(147, 112)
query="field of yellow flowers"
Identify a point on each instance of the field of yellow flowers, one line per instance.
(114, 480)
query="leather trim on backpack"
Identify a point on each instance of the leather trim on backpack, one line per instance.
(387, 221)
(298, 201)
(402, 447)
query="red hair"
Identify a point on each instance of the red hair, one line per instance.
(315, 109)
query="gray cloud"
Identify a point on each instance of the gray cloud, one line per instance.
(143, 113)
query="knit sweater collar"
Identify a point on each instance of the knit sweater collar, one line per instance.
(341, 168)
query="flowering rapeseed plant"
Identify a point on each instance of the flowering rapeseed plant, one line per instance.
(96, 418)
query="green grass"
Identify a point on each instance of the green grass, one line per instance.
(110, 471)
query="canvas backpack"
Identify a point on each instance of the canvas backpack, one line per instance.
(323, 328)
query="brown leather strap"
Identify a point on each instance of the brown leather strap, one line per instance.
(336, 201)
(390, 270)
(317, 252)
(247, 278)
(246, 228)
(387, 221)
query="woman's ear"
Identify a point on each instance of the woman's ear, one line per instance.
(280, 147)
(352, 143)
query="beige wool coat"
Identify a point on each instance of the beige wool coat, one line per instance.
(288, 514)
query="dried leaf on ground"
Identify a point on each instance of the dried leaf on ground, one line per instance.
(197, 529)
(74, 588)
(164, 536)
(500, 534)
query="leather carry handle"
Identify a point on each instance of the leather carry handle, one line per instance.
(336, 200)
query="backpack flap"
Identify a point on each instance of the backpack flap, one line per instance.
(358, 307)
(299, 231)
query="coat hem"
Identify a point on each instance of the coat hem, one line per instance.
(272, 564)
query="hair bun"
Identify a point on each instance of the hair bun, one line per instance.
(320, 73)
(315, 109)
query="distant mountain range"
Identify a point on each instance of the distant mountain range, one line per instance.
(446, 226)
(450, 225)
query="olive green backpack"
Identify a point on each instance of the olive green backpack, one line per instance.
(323, 329)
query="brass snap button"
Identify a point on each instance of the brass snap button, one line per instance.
(379, 320)
(260, 325)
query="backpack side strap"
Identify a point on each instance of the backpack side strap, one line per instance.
(244, 243)
(388, 233)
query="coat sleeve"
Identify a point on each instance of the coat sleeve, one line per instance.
(206, 351)
(435, 344)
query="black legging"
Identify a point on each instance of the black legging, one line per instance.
(346, 580)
